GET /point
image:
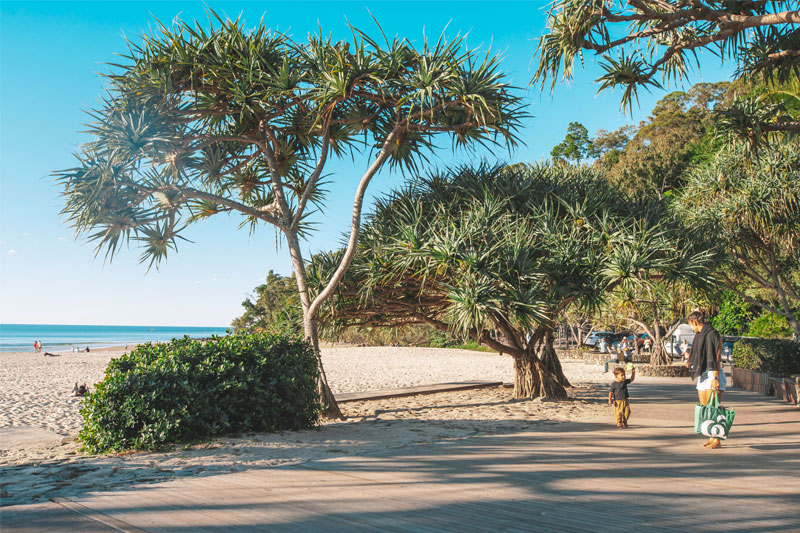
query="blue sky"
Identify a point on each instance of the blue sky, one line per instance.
(50, 56)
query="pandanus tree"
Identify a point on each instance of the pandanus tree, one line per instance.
(203, 121)
(482, 250)
(649, 43)
(749, 205)
(654, 262)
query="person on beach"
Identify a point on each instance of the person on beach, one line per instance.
(618, 395)
(705, 363)
(80, 391)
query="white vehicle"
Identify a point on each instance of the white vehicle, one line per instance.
(684, 332)
(595, 337)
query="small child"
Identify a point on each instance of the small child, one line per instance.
(618, 395)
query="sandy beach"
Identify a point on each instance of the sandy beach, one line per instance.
(39, 418)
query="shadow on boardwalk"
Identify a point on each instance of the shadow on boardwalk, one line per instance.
(568, 477)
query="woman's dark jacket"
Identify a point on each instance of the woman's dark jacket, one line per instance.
(703, 355)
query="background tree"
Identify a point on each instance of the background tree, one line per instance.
(652, 158)
(474, 251)
(276, 307)
(644, 43)
(575, 146)
(510, 249)
(734, 315)
(607, 146)
(750, 207)
(653, 260)
(201, 121)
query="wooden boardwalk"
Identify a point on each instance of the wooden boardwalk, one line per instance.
(576, 477)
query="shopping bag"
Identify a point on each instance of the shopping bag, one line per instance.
(712, 420)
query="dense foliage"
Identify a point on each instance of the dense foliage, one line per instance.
(190, 389)
(649, 43)
(769, 326)
(781, 357)
(748, 206)
(275, 309)
(734, 315)
(652, 157)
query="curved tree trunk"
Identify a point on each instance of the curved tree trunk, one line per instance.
(532, 379)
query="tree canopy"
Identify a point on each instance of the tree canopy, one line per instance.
(649, 43)
(653, 157)
(201, 121)
(575, 146)
(499, 253)
(275, 309)
(749, 206)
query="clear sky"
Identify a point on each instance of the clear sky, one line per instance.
(50, 56)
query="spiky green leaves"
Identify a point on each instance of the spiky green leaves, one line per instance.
(653, 42)
(202, 120)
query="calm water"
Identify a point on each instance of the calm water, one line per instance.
(59, 337)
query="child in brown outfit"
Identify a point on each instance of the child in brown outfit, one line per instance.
(618, 395)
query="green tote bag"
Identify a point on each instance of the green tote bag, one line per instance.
(712, 420)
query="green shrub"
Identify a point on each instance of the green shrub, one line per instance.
(733, 316)
(775, 356)
(188, 389)
(440, 339)
(769, 326)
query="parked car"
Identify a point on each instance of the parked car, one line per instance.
(595, 337)
(727, 347)
(681, 333)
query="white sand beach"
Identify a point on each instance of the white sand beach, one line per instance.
(39, 418)
(36, 391)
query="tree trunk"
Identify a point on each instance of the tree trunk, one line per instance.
(330, 408)
(659, 355)
(532, 379)
(549, 358)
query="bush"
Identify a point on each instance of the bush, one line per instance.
(775, 356)
(189, 389)
(769, 325)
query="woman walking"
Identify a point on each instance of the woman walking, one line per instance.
(705, 363)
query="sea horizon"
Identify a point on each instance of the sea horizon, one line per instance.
(66, 337)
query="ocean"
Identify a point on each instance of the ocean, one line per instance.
(61, 337)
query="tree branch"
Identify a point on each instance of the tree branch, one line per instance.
(382, 156)
(311, 183)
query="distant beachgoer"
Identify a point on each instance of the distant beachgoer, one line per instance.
(35, 346)
(624, 351)
(75, 389)
(618, 395)
(83, 390)
(684, 350)
(87, 349)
